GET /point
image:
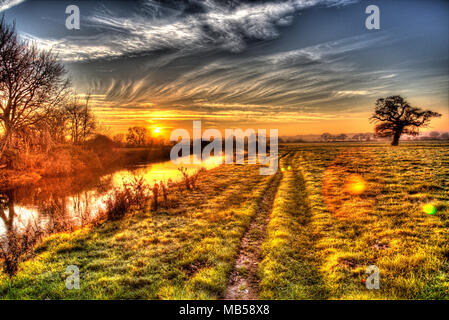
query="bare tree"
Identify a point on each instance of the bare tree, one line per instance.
(56, 122)
(137, 136)
(32, 84)
(394, 117)
(80, 120)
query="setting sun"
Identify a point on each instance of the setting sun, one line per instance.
(157, 130)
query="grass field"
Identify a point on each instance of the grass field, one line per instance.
(332, 233)
(308, 232)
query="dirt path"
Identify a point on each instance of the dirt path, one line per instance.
(243, 282)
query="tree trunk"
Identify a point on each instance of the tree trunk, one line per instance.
(4, 143)
(2, 149)
(396, 137)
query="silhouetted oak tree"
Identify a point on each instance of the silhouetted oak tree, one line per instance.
(394, 117)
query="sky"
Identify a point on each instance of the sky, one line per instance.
(300, 66)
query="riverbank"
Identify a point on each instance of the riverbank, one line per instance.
(185, 249)
(70, 161)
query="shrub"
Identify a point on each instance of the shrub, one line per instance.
(155, 195)
(16, 246)
(164, 188)
(133, 194)
(190, 180)
(194, 177)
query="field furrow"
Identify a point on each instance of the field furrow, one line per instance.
(244, 281)
(289, 269)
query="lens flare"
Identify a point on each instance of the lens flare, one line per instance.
(289, 167)
(350, 185)
(429, 208)
(282, 169)
(355, 184)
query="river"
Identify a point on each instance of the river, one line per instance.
(55, 203)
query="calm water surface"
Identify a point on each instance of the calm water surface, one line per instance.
(60, 201)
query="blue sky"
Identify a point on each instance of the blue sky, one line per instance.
(302, 66)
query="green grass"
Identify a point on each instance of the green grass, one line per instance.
(320, 238)
(289, 269)
(385, 225)
(177, 253)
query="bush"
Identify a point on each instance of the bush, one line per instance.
(133, 194)
(16, 246)
(164, 188)
(190, 180)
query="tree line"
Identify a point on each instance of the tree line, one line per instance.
(137, 136)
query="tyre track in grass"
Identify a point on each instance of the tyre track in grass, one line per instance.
(243, 281)
(290, 266)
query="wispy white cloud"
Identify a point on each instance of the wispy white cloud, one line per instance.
(216, 26)
(6, 4)
(300, 85)
(388, 76)
(345, 93)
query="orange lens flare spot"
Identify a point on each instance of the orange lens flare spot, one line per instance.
(355, 184)
(429, 208)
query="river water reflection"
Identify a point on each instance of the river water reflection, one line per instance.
(58, 202)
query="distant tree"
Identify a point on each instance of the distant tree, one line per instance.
(394, 117)
(361, 137)
(56, 125)
(326, 137)
(119, 139)
(137, 136)
(367, 137)
(434, 135)
(341, 137)
(445, 136)
(32, 84)
(100, 144)
(80, 120)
